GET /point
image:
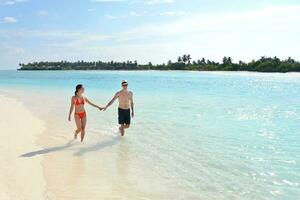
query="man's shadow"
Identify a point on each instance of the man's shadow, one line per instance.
(97, 146)
(48, 150)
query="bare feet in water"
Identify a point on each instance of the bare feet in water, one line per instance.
(75, 135)
(121, 129)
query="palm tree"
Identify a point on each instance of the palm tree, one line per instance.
(263, 58)
(179, 59)
(224, 60)
(184, 58)
(188, 57)
(229, 60)
(290, 60)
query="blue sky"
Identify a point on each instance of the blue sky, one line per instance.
(146, 30)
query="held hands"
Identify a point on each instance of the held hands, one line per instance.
(100, 108)
(104, 109)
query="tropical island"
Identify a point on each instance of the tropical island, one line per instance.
(185, 62)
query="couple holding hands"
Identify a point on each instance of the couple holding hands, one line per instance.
(125, 98)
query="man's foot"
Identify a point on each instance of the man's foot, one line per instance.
(121, 128)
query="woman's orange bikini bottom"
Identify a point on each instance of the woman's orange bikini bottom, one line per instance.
(81, 115)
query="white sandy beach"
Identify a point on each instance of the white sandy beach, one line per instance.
(40, 159)
(20, 177)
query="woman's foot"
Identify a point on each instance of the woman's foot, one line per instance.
(75, 135)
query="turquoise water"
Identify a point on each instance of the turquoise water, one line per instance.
(200, 135)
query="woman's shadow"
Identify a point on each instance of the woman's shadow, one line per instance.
(71, 143)
(48, 150)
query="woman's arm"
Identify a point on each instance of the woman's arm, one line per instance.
(92, 104)
(71, 108)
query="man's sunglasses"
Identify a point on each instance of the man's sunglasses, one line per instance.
(125, 84)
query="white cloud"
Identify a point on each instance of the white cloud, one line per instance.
(152, 2)
(110, 16)
(10, 52)
(150, 14)
(175, 13)
(130, 14)
(243, 35)
(66, 35)
(9, 20)
(11, 2)
(270, 31)
(134, 14)
(14, 51)
(148, 2)
(43, 13)
(107, 1)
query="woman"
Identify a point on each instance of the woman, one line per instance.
(78, 101)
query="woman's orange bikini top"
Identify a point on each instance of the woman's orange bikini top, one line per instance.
(77, 102)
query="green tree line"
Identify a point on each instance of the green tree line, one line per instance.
(185, 62)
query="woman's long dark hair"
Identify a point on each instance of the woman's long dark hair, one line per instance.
(78, 87)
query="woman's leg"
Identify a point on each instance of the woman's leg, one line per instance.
(78, 125)
(83, 125)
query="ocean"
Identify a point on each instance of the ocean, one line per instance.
(196, 135)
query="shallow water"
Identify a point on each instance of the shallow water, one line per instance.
(196, 135)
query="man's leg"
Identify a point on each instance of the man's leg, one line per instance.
(121, 128)
(127, 126)
(121, 121)
(127, 119)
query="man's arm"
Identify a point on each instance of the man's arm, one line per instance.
(112, 101)
(131, 103)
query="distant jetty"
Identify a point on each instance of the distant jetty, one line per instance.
(185, 62)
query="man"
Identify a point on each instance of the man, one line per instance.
(125, 98)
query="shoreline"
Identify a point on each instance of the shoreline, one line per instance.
(20, 129)
(155, 70)
(170, 70)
